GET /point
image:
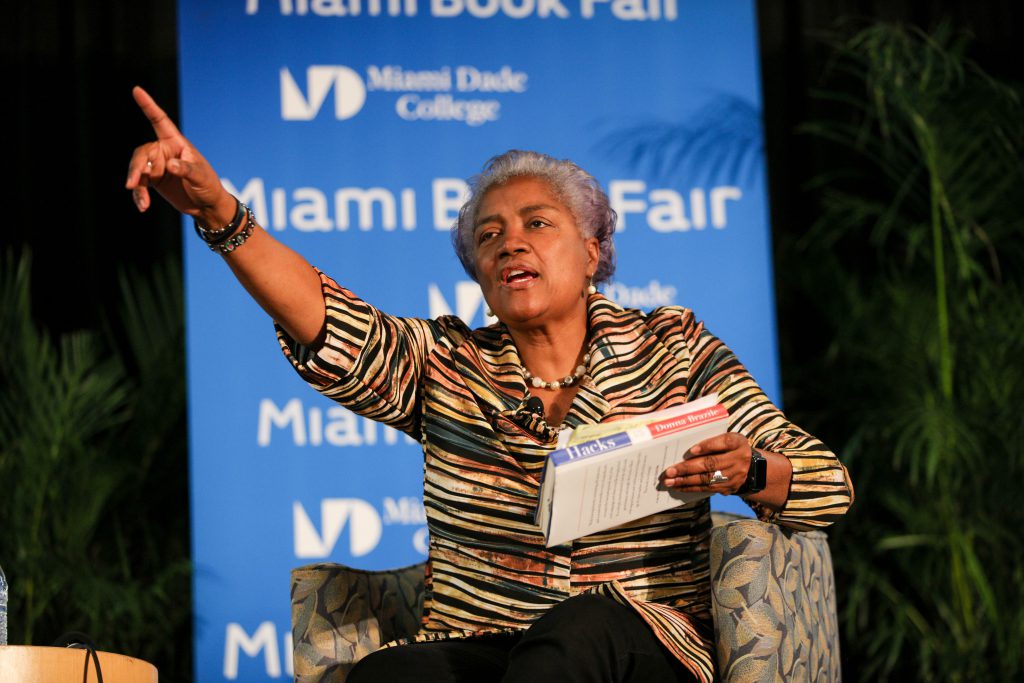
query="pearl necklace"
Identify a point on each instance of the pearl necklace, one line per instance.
(566, 381)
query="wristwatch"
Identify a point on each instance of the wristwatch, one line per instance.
(757, 475)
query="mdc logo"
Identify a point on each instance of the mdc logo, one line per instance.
(349, 93)
(364, 527)
(469, 299)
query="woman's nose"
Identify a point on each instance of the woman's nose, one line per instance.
(514, 241)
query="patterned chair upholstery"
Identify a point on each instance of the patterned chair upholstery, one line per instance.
(772, 593)
(773, 597)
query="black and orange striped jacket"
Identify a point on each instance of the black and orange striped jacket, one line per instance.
(462, 393)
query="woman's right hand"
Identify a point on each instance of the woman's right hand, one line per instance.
(280, 280)
(176, 170)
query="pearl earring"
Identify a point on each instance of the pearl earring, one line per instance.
(488, 312)
(591, 289)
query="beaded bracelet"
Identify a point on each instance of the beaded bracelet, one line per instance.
(235, 241)
(221, 234)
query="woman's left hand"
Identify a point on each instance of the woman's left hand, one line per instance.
(726, 455)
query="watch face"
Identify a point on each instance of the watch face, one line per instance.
(758, 477)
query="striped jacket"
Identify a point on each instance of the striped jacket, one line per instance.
(462, 393)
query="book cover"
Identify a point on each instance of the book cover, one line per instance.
(608, 474)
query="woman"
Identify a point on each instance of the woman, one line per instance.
(631, 603)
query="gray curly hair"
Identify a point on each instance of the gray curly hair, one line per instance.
(576, 188)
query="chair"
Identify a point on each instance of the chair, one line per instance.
(772, 594)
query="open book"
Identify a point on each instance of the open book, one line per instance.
(607, 474)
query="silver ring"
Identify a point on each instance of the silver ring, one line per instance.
(718, 477)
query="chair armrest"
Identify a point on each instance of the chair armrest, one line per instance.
(773, 601)
(341, 614)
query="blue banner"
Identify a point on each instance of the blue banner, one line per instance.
(350, 126)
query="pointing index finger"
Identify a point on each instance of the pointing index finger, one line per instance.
(161, 122)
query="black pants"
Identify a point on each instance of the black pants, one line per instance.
(585, 638)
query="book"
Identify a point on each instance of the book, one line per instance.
(607, 474)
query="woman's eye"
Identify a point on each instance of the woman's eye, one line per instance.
(486, 235)
(537, 223)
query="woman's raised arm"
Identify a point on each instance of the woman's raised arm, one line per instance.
(279, 279)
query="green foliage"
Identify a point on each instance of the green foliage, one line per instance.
(915, 270)
(92, 463)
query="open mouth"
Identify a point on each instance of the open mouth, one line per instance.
(517, 275)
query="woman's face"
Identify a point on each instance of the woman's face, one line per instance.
(532, 261)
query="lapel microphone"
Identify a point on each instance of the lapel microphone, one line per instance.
(535, 405)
